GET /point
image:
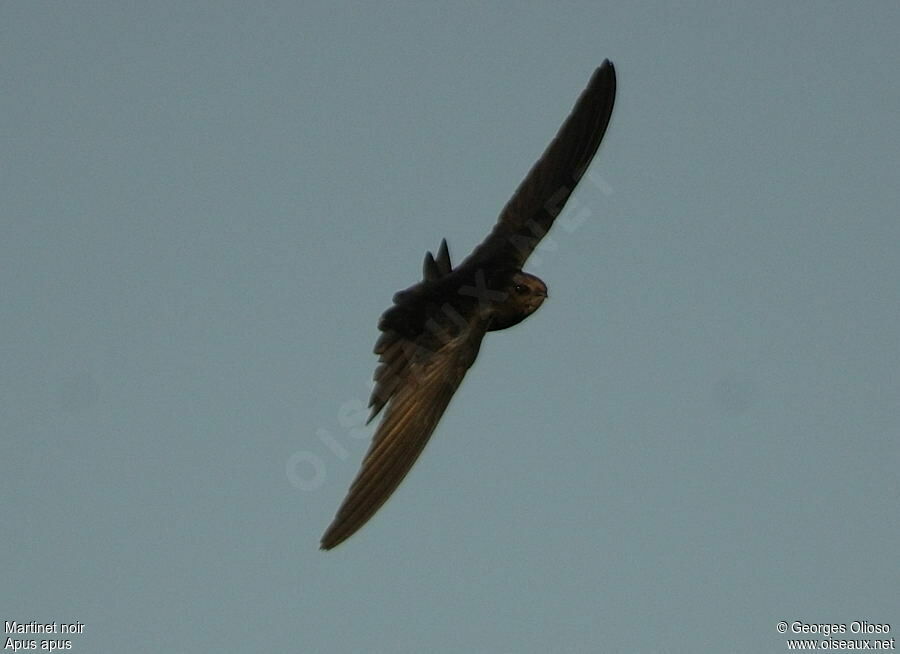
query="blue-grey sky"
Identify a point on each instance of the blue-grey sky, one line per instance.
(206, 206)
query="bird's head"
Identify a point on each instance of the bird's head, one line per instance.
(522, 296)
(527, 292)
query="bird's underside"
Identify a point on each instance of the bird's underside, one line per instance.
(431, 335)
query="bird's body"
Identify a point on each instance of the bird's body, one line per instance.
(432, 333)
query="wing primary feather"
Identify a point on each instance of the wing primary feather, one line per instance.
(543, 194)
(421, 391)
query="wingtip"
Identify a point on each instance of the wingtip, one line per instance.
(606, 69)
(331, 538)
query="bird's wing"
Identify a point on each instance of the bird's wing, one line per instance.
(542, 194)
(415, 381)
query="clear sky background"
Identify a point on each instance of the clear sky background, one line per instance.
(206, 207)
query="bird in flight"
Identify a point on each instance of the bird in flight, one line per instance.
(430, 336)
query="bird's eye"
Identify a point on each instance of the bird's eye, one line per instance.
(521, 289)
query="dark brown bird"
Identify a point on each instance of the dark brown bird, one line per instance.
(431, 335)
